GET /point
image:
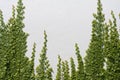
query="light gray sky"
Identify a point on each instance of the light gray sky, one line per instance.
(66, 21)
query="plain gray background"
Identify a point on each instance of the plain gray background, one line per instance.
(66, 22)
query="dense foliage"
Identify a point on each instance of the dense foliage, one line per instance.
(94, 60)
(102, 60)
